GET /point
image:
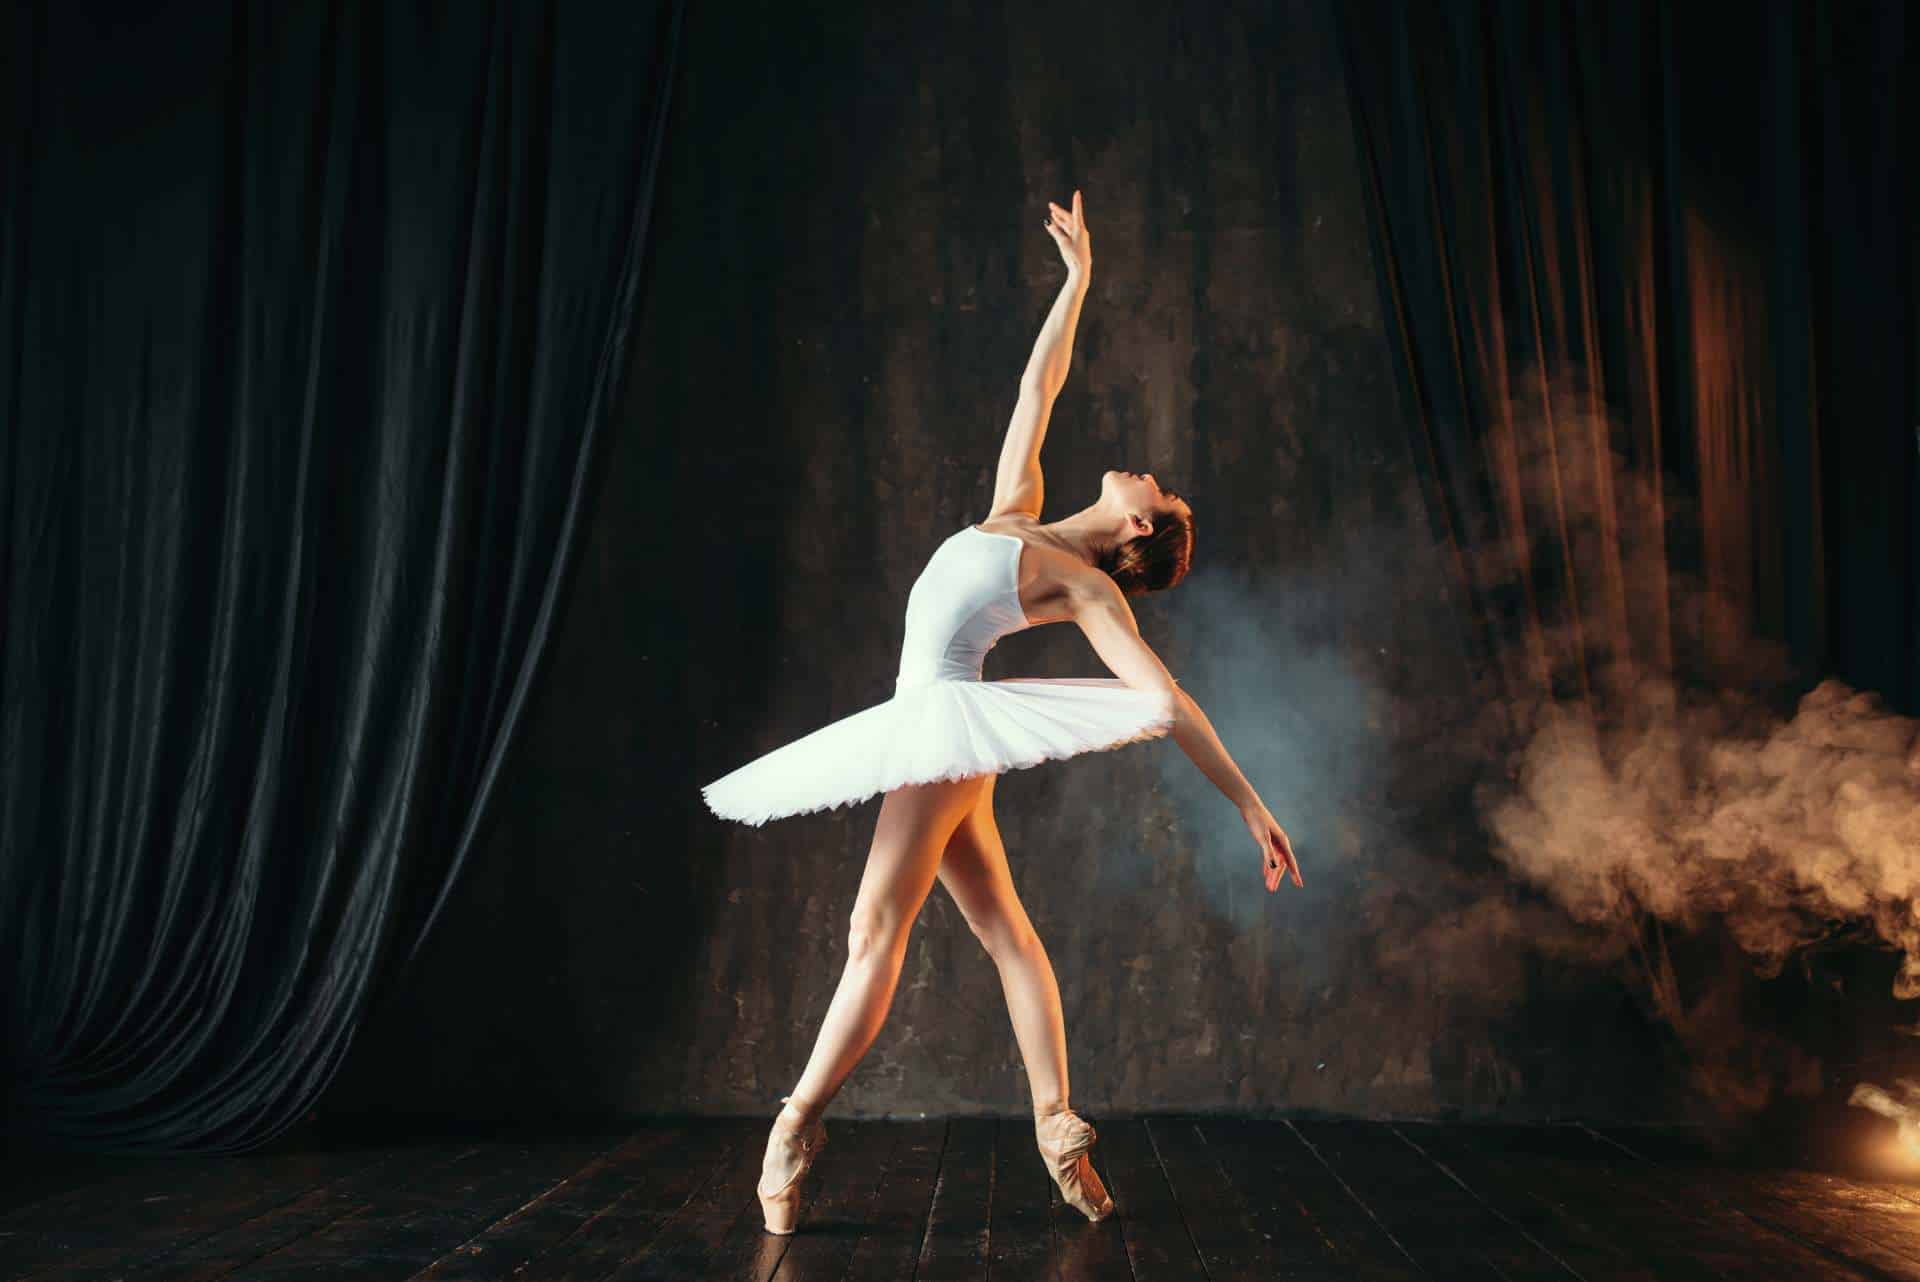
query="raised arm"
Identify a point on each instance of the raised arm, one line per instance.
(1018, 485)
(1102, 612)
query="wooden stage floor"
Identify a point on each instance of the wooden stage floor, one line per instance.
(1202, 1198)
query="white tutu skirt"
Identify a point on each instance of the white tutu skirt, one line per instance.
(939, 730)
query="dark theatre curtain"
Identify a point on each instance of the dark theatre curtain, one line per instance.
(1649, 270)
(310, 320)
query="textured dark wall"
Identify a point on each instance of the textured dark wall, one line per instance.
(849, 272)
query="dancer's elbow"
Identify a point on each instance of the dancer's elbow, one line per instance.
(1175, 699)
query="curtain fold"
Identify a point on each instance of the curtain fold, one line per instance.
(1649, 272)
(310, 321)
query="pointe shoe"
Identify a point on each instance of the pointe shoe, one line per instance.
(780, 1209)
(1063, 1139)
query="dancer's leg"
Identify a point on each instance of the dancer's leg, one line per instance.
(908, 839)
(974, 871)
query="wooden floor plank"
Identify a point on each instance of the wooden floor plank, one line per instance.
(1880, 1239)
(1231, 1247)
(1633, 1199)
(31, 1174)
(897, 1222)
(620, 1193)
(1852, 1218)
(1446, 1230)
(1657, 1143)
(1158, 1246)
(218, 1254)
(1621, 1195)
(1564, 1214)
(1214, 1198)
(126, 1180)
(720, 1224)
(155, 1209)
(615, 1229)
(959, 1217)
(1317, 1229)
(1022, 1245)
(1873, 1231)
(410, 1226)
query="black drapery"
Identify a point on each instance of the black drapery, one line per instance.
(1649, 272)
(310, 319)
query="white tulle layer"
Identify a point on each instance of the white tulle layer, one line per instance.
(940, 730)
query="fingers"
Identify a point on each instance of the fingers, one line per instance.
(1069, 220)
(1280, 860)
(1292, 864)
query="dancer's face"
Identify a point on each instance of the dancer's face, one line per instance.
(1139, 492)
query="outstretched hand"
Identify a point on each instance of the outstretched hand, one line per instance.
(1276, 852)
(1069, 231)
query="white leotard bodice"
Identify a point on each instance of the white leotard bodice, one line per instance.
(964, 601)
(944, 722)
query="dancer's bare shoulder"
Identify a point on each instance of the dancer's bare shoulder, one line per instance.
(1052, 579)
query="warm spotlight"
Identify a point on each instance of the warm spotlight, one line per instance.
(1895, 1154)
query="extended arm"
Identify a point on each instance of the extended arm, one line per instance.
(1046, 371)
(1102, 612)
(1018, 485)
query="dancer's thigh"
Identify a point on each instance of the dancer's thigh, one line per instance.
(973, 868)
(908, 839)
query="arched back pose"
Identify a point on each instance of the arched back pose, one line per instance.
(935, 748)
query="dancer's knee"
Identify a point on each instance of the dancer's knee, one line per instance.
(1005, 938)
(874, 933)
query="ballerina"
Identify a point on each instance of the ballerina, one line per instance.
(934, 750)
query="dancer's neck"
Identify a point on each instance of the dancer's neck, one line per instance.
(1090, 533)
